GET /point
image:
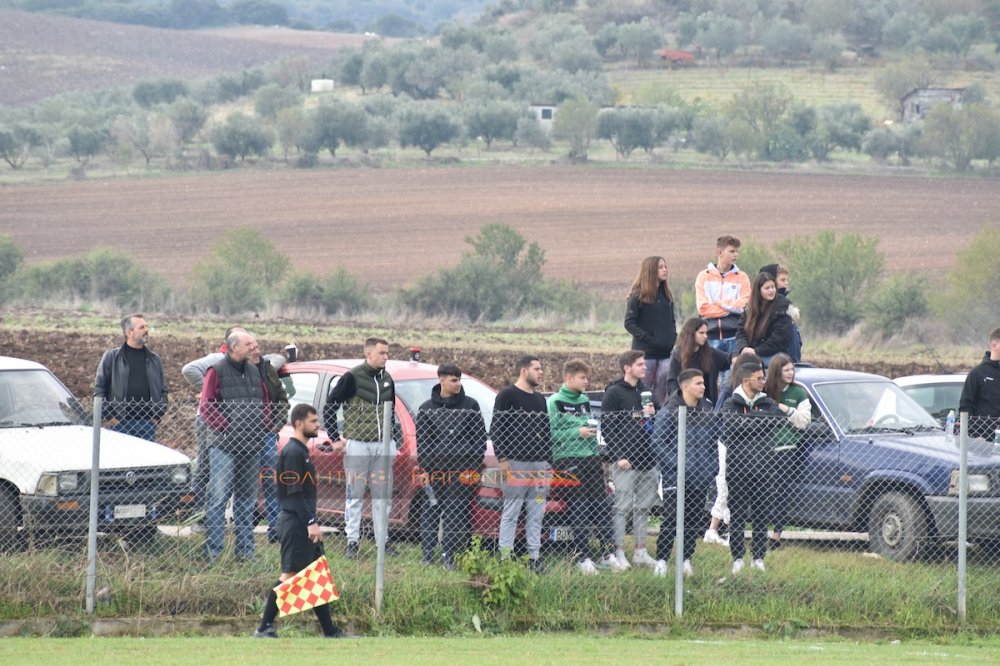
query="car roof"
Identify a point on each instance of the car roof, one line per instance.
(914, 380)
(11, 363)
(819, 375)
(400, 370)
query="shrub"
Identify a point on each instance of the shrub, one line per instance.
(832, 277)
(500, 277)
(239, 275)
(339, 293)
(966, 299)
(103, 275)
(898, 299)
(10, 261)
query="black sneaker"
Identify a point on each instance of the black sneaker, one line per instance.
(267, 632)
(337, 633)
(427, 560)
(774, 544)
(536, 566)
(390, 550)
(351, 552)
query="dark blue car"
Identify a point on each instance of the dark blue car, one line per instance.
(875, 461)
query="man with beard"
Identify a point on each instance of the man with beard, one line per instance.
(298, 529)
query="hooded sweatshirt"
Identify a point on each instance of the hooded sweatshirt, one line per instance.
(981, 396)
(748, 432)
(777, 335)
(451, 434)
(568, 412)
(625, 429)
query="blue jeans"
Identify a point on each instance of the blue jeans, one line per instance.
(268, 474)
(142, 428)
(231, 474)
(724, 345)
(656, 378)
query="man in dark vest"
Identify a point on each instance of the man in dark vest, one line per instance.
(236, 409)
(363, 391)
(130, 380)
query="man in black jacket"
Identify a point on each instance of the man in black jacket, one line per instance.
(981, 393)
(298, 529)
(130, 380)
(749, 417)
(701, 464)
(626, 424)
(451, 441)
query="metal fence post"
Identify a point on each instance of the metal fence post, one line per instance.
(679, 532)
(380, 538)
(95, 466)
(963, 512)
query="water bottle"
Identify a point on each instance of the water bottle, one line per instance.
(996, 439)
(949, 426)
(432, 498)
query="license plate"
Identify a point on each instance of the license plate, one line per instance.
(560, 534)
(130, 511)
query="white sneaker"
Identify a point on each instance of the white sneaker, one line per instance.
(712, 536)
(737, 566)
(641, 558)
(758, 564)
(660, 569)
(688, 569)
(614, 563)
(587, 567)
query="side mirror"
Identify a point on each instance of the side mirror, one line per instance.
(817, 432)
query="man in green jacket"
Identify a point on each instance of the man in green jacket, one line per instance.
(362, 392)
(576, 456)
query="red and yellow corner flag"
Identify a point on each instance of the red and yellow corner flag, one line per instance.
(311, 587)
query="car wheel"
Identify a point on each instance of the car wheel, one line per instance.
(10, 519)
(897, 527)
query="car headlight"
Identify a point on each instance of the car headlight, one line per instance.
(179, 475)
(54, 484)
(978, 483)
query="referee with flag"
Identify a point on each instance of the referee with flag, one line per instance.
(299, 533)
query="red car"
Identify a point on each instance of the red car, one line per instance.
(309, 382)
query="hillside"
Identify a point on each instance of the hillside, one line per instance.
(42, 55)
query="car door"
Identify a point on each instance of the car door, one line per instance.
(330, 490)
(825, 492)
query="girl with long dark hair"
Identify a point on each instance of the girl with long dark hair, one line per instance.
(649, 317)
(693, 351)
(765, 328)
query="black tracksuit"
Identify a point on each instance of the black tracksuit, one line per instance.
(701, 455)
(747, 432)
(451, 439)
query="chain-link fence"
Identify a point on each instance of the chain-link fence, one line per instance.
(185, 489)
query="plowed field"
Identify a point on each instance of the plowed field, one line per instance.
(389, 226)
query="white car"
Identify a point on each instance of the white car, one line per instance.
(938, 394)
(46, 444)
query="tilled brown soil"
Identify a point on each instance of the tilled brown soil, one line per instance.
(73, 358)
(390, 226)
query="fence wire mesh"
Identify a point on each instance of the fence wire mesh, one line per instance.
(185, 486)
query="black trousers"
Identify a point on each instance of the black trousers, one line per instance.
(589, 506)
(452, 509)
(694, 520)
(750, 500)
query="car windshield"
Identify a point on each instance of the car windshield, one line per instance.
(415, 392)
(871, 406)
(35, 398)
